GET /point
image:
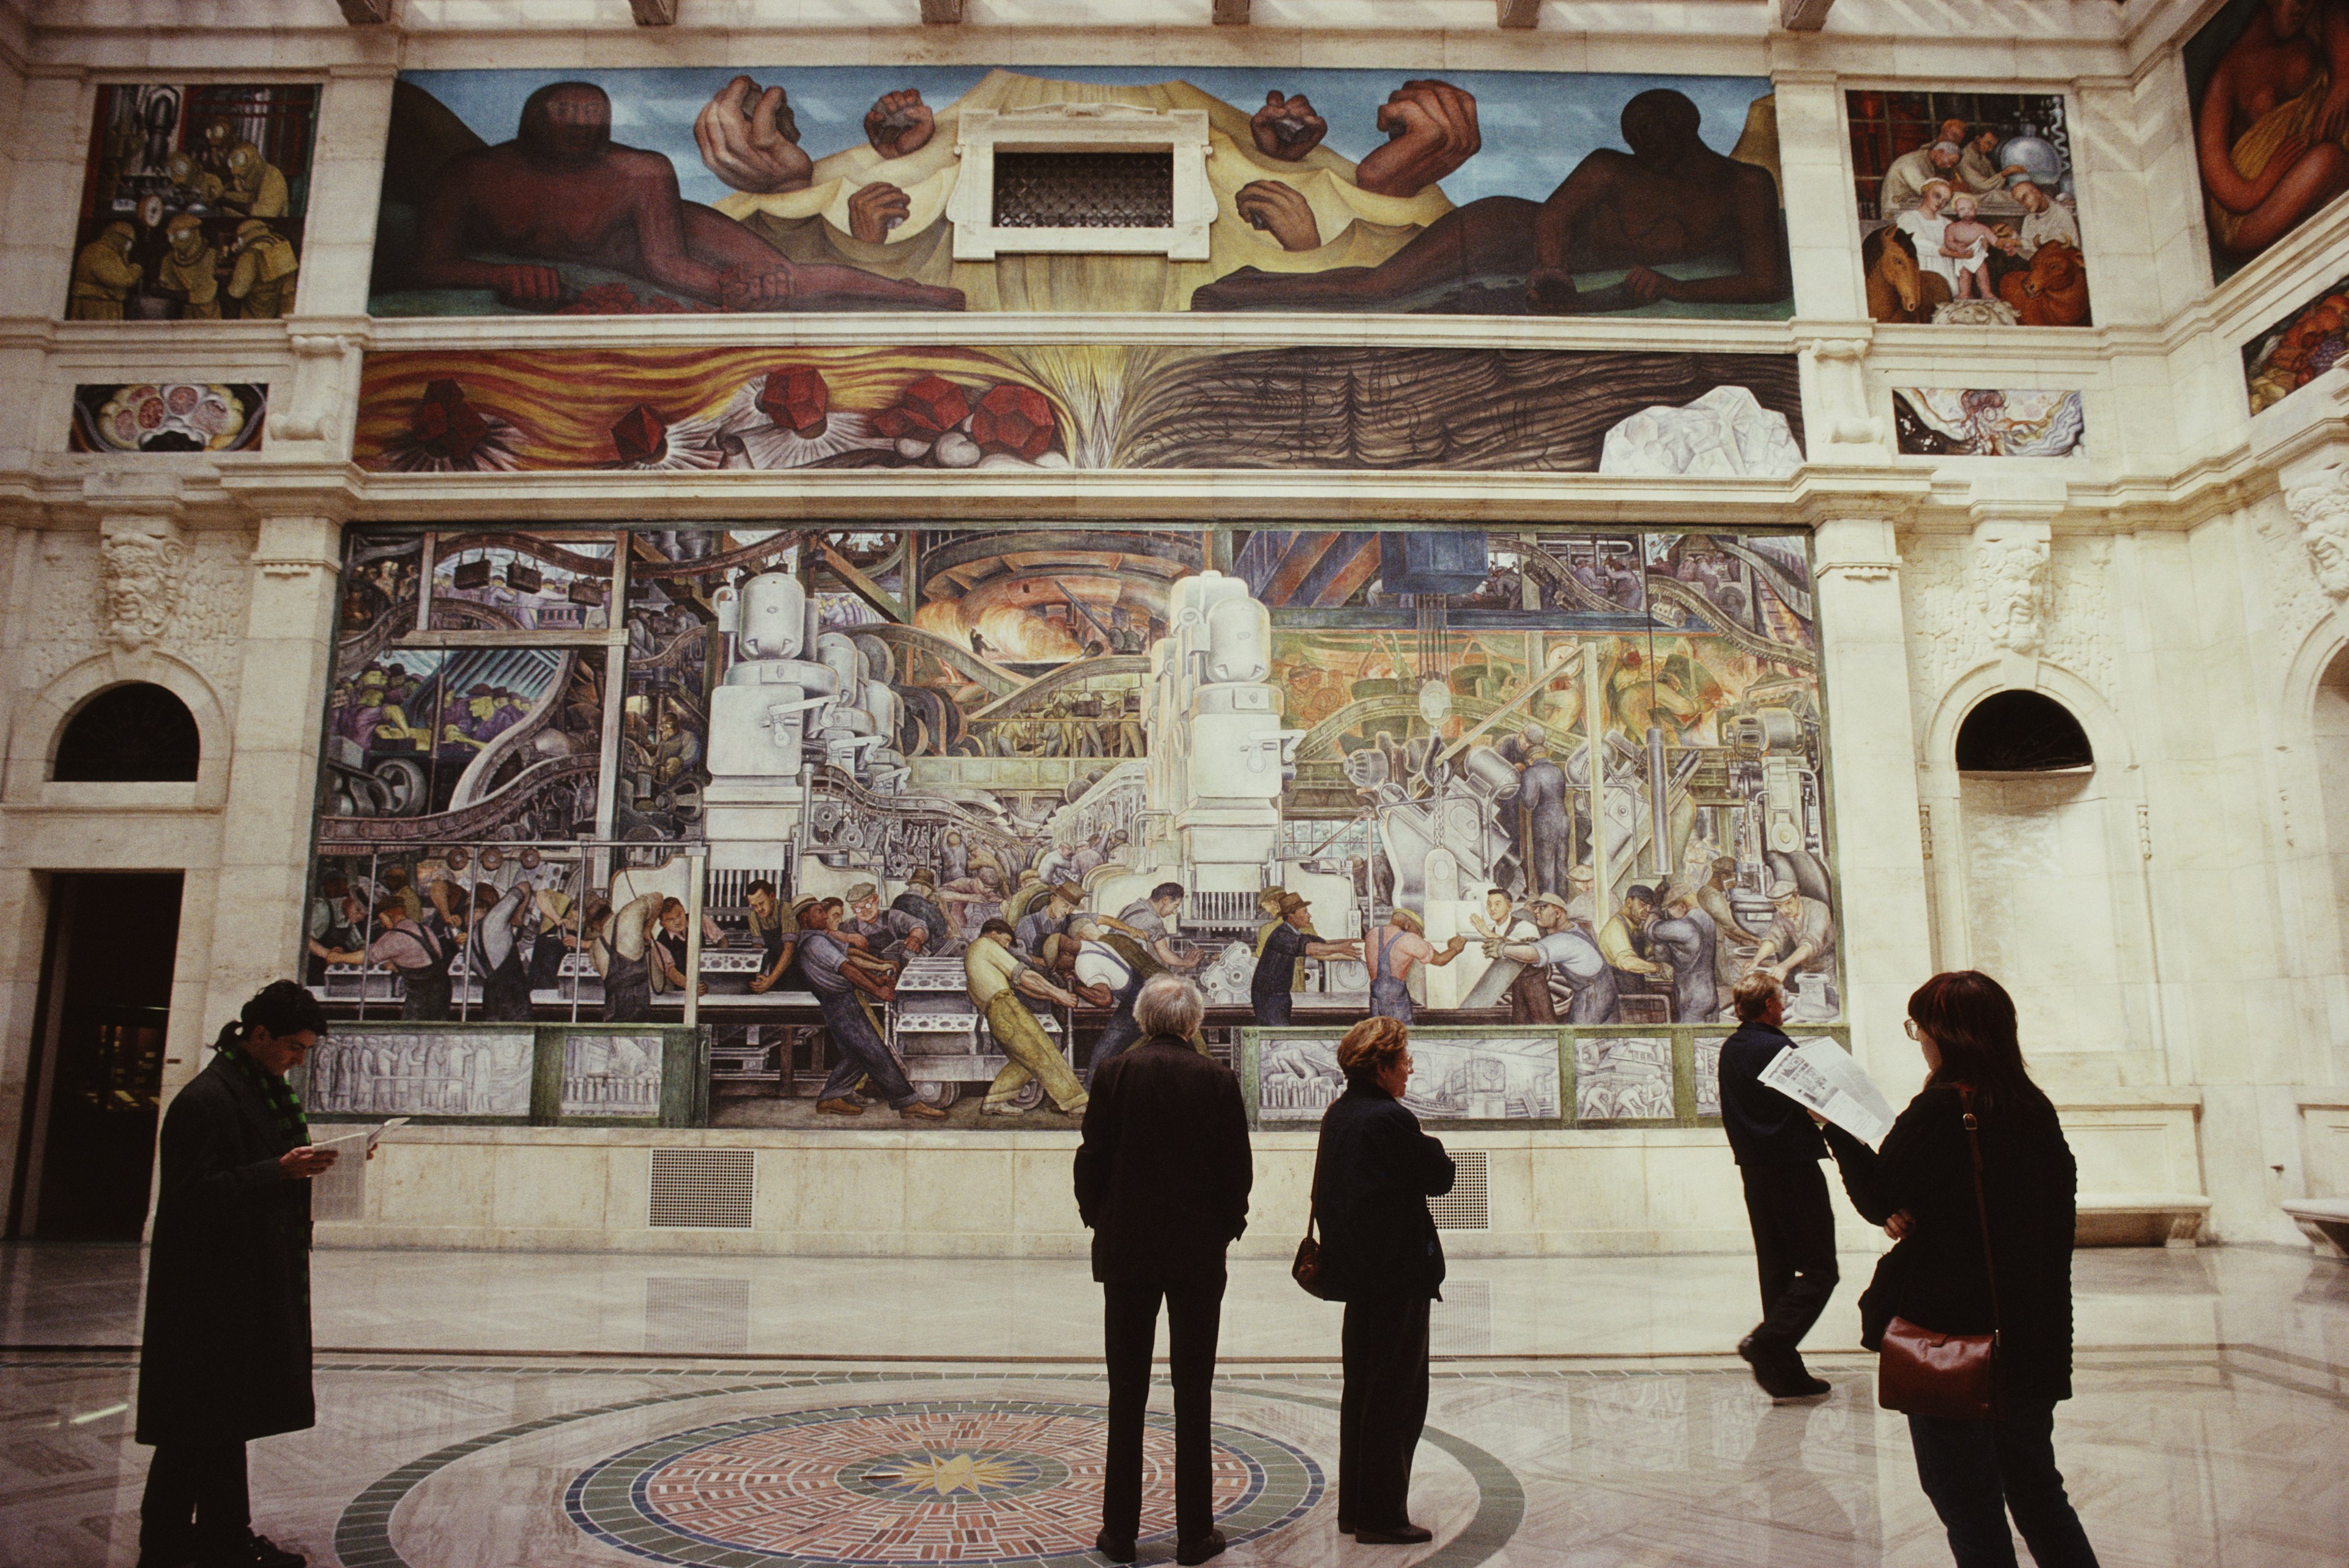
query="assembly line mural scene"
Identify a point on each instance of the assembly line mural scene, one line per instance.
(905, 815)
(780, 188)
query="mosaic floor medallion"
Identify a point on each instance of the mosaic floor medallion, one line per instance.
(878, 1486)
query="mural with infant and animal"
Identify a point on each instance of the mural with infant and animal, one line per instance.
(1967, 213)
(939, 188)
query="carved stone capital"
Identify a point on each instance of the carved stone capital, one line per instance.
(142, 568)
(2319, 504)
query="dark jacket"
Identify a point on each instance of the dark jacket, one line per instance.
(226, 1355)
(1935, 1277)
(1163, 1172)
(1764, 1127)
(1372, 1177)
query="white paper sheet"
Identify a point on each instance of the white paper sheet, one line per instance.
(373, 1135)
(1821, 1075)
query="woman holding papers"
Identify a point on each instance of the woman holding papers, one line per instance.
(226, 1354)
(1920, 1188)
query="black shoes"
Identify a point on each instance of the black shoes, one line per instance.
(267, 1553)
(1781, 1372)
(1208, 1545)
(1115, 1551)
(1403, 1534)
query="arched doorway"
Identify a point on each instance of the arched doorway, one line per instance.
(137, 732)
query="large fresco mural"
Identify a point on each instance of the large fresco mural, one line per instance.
(1069, 406)
(833, 188)
(193, 203)
(952, 794)
(2270, 84)
(1967, 213)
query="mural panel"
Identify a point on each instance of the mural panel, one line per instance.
(833, 188)
(193, 203)
(2297, 350)
(1062, 406)
(1987, 422)
(2270, 84)
(168, 415)
(961, 790)
(1966, 208)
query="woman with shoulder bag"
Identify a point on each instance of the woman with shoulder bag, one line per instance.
(1971, 1313)
(1372, 1175)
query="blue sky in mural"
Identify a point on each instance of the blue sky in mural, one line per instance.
(1535, 125)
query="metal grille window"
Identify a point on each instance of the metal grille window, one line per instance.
(1467, 1205)
(1084, 190)
(702, 1188)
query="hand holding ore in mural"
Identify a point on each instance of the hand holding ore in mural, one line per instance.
(1431, 130)
(876, 209)
(749, 139)
(1287, 127)
(899, 123)
(1280, 211)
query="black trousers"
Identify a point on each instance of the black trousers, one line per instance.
(196, 1501)
(1130, 1336)
(1976, 1472)
(1382, 1410)
(1794, 1250)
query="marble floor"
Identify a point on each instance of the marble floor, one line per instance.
(495, 1410)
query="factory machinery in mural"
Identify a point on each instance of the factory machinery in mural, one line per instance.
(944, 188)
(1535, 783)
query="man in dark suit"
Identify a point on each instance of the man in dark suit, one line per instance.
(1778, 1150)
(1163, 1178)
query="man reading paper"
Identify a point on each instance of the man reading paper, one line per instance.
(1778, 1150)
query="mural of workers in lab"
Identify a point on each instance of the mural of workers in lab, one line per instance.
(1967, 213)
(193, 203)
(1540, 776)
(836, 187)
(2269, 80)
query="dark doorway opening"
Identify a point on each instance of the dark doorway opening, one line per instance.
(2022, 733)
(88, 1152)
(135, 733)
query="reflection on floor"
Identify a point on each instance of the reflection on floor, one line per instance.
(487, 1411)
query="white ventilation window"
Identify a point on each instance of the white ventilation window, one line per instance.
(702, 1188)
(1083, 177)
(1467, 1207)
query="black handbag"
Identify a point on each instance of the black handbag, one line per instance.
(1920, 1372)
(1307, 1270)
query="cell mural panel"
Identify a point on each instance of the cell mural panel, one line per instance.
(909, 812)
(812, 189)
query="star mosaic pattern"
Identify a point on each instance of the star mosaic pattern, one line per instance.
(883, 1486)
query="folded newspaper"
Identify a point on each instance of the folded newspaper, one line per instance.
(373, 1135)
(1820, 1075)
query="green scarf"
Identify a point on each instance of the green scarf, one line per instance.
(284, 1104)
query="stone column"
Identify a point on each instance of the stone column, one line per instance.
(273, 778)
(1872, 779)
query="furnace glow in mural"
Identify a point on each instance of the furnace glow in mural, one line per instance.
(952, 795)
(935, 188)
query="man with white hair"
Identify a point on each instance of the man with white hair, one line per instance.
(1906, 179)
(1162, 1180)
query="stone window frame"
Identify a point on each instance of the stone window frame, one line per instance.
(1081, 128)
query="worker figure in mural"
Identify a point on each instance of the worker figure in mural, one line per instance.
(1669, 199)
(1570, 950)
(996, 976)
(564, 191)
(843, 977)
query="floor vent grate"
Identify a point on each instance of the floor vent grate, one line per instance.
(702, 1188)
(1462, 1323)
(1466, 1207)
(697, 1316)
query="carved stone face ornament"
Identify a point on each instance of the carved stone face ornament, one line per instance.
(2321, 510)
(2013, 575)
(144, 571)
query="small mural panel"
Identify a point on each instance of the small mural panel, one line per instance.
(2269, 80)
(1057, 407)
(1987, 422)
(612, 1075)
(1458, 1076)
(440, 1073)
(168, 415)
(194, 201)
(789, 188)
(1966, 208)
(1623, 1077)
(2297, 350)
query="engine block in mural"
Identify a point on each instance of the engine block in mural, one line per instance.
(905, 815)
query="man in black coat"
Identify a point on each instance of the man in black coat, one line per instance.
(1163, 1178)
(226, 1351)
(1778, 1150)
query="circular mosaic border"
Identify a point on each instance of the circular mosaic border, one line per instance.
(610, 1501)
(363, 1534)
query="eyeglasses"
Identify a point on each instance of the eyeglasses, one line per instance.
(1908, 1027)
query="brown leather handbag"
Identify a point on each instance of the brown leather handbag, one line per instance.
(1307, 1270)
(1952, 1376)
